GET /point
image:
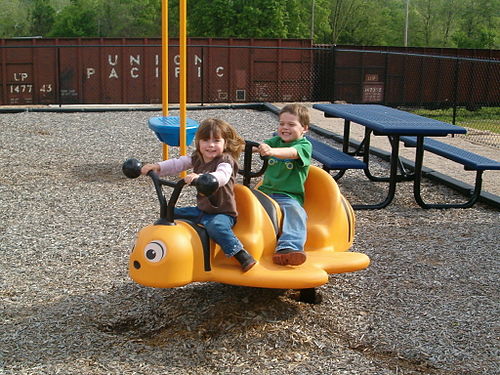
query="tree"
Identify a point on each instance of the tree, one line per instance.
(246, 18)
(131, 18)
(479, 25)
(321, 27)
(362, 22)
(342, 13)
(432, 23)
(79, 19)
(13, 19)
(427, 18)
(147, 22)
(447, 12)
(42, 17)
(212, 18)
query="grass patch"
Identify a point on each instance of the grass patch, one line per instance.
(485, 118)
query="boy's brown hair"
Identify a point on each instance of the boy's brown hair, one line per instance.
(300, 111)
(234, 143)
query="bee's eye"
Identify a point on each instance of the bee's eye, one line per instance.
(155, 251)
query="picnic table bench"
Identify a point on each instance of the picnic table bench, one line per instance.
(332, 158)
(470, 161)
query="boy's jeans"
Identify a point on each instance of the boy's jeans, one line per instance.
(294, 231)
(218, 226)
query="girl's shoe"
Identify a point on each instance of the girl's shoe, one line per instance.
(246, 260)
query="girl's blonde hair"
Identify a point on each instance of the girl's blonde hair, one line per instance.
(234, 143)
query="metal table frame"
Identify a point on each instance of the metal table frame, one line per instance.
(380, 120)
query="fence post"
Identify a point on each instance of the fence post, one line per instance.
(386, 78)
(334, 59)
(455, 90)
(58, 75)
(202, 75)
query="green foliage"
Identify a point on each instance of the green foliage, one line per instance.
(479, 25)
(133, 18)
(485, 118)
(321, 27)
(431, 23)
(361, 22)
(246, 18)
(13, 19)
(78, 19)
(479, 38)
(42, 17)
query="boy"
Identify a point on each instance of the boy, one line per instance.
(289, 160)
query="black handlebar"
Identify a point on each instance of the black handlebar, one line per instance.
(205, 184)
(247, 163)
(166, 209)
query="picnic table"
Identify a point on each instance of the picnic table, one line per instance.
(380, 120)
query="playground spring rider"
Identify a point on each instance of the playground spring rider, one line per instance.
(172, 253)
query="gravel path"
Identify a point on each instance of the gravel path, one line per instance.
(428, 304)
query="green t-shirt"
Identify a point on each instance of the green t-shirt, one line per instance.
(287, 176)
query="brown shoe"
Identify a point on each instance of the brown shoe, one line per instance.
(289, 257)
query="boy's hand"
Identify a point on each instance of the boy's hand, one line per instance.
(278, 152)
(150, 167)
(265, 149)
(190, 177)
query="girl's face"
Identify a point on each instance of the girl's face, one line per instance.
(290, 128)
(211, 148)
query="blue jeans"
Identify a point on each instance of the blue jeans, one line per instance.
(294, 230)
(218, 226)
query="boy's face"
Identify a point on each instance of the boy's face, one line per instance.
(289, 128)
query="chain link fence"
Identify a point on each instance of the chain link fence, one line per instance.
(452, 85)
(457, 89)
(461, 90)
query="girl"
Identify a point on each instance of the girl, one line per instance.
(218, 147)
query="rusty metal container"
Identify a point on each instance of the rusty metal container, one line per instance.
(128, 70)
(433, 77)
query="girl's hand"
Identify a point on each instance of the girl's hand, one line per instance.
(150, 167)
(190, 177)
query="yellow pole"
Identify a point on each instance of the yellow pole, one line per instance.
(182, 74)
(164, 65)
